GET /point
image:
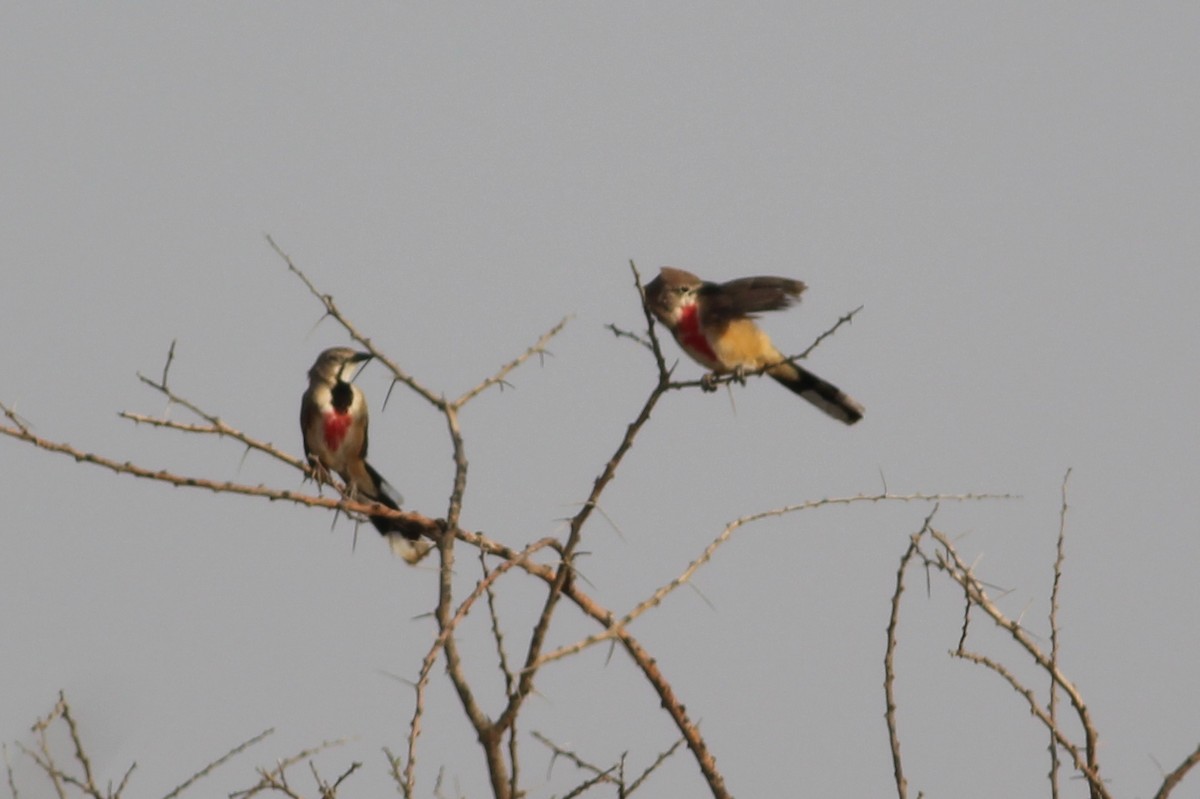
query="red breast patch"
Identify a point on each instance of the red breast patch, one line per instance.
(691, 337)
(336, 425)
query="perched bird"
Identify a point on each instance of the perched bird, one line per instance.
(714, 324)
(333, 420)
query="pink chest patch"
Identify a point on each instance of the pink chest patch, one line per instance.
(336, 425)
(691, 337)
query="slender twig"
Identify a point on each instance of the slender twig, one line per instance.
(653, 767)
(622, 333)
(574, 536)
(1090, 774)
(276, 778)
(949, 562)
(332, 311)
(889, 658)
(80, 754)
(1052, 702)
(219, 429)
(588, 784)
(538, 348)
(661, 593)
(445, 636)
(567, 754)
(1176, 776)
(12, 785)
(204, 772)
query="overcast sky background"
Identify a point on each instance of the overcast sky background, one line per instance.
(1011, 191)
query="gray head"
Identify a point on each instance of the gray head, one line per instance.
(331, 364)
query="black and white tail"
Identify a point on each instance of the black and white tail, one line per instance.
(824, 395)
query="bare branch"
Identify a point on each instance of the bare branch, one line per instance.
(1172, 779)
(332, 310)
(949, 562)
(538, 348)
(889, 658)
(425, 524)
(12, 785)
(204, 772)
(276, 778)
(580, 763)
(219, 429)
(1093, 777)
(621, 333)
(454, 666)
(1052, 702)
(64, 709)
(653, 767)
(661, 593)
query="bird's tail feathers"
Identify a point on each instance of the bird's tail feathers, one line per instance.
(825, 395)
(411, 551)
(385, 493)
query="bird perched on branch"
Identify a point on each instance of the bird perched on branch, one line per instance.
(714, 324)
(333, 420)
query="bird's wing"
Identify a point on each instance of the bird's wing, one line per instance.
(749, 295)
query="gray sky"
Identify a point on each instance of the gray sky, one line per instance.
(1011, 191)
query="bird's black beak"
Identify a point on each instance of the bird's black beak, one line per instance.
(357, 357)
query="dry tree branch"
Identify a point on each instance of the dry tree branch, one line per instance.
(215, 425)
(622, 333)
(1089, 773)
(600, 775)
(330, 791)
(219, 429)
(889, 658)
(661, 593)
(587, 785)
(568, 754)
(497, 632)
(446, 633)
(45, 760)
(124, 781)
(12, 785)
(653, 767)
(430, 527)
(64, 710)
(276, 779)
(624, 789)
(398, 374)
(563, 577)
(59, 778)
(641, 658)
(1176, 776)
(331, 310)
(505, 671)
(204, 772)
(1052, 702)
(949, 562)
(538, 348)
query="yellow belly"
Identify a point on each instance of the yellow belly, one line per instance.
(742, 343)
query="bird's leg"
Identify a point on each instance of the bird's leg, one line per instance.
(320, 474)
(708, 383)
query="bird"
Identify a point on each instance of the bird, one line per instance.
(714, 324)
(333, 421)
